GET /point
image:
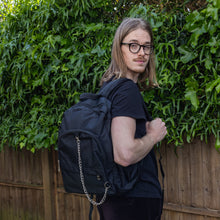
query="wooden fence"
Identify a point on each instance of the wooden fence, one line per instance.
(31, 185)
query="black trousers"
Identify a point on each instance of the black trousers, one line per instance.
(121, 208)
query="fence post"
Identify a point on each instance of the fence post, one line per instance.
(48, 186)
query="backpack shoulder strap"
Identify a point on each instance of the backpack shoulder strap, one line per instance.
(111, 86)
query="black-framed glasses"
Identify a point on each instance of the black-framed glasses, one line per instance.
(135, 48)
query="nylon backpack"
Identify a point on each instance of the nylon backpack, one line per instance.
(85, 148)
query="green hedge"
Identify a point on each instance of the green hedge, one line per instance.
(53, 51)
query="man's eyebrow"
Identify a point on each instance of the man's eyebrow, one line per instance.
(136, 41)
(133, 41)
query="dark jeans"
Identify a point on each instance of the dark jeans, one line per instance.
(121, 208)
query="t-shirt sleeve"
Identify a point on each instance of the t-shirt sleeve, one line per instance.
(127, 101)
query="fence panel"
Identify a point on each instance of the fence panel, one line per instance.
(21, 187)
(31, 185)
(192, 182)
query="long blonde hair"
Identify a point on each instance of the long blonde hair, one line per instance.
(117, 67)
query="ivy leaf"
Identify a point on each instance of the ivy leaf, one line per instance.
(36, 83)
(188, 55)
(214, 44)
(217, 3)
(93, 27)
(98, 50)
(40, 136)
(208, 63)
(212, 12)
(212, 85)
(22, 144)
(64, 51)
(218, 88)
(190, 93)
(192, 97)
(196, 34)
(25, 78)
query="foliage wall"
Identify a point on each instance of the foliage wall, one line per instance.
(52, 51)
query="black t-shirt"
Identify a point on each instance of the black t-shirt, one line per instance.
(127, 101)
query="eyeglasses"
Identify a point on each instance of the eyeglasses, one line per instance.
(135, 48)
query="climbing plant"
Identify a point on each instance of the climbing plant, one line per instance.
(52, 51)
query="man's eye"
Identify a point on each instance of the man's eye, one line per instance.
(147, 47)
(134, 46)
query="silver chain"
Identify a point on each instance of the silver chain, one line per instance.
(106, 185)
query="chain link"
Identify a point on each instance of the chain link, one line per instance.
(82, 179)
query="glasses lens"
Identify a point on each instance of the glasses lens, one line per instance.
(148, 49)
(134, 48)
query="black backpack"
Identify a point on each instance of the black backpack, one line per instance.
(85, 148)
